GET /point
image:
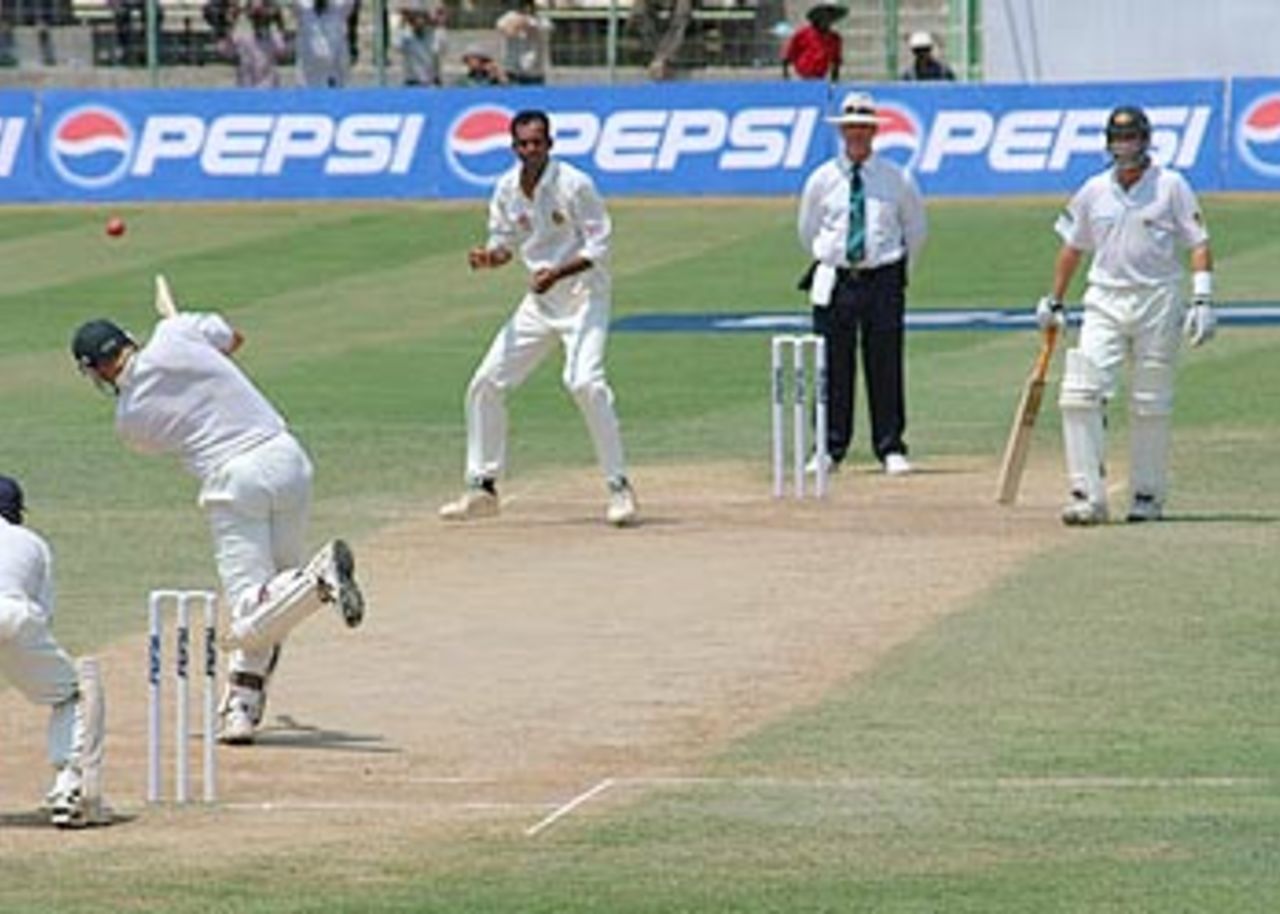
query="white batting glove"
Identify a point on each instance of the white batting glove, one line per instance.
(1200, 323)
(1050, 313)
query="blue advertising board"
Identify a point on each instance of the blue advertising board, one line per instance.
(685, 139)
(212, 145)
(1253, 145)
(17, 146)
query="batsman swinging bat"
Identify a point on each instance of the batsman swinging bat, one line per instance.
(1024, 421)
(165, 305)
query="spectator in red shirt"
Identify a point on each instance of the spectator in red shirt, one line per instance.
(815, 49)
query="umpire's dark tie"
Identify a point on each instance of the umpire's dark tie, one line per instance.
(855, 244)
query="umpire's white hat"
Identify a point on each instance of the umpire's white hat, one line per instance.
(858, 108)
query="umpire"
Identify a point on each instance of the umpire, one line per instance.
(861, 219)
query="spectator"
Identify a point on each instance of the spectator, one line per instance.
(421, 39)
(259, 44)
(526, 43)
(323, 49)
(131, 30)
(481, 69)
(925, 66)
(815, 50)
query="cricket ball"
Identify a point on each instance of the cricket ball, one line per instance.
(115, 226)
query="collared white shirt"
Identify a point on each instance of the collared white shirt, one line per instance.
(895, 220)
(181, 394)
(26, 566)
(565, 219)
(1136, 236)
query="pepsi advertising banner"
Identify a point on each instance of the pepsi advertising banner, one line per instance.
(684, 139)
(186, 145)
(1253, 147)
(17, 145)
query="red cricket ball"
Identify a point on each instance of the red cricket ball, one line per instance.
(115, 226)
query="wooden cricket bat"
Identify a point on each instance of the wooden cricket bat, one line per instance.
(165, 304)
(1024, 421)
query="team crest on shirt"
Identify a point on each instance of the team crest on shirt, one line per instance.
(525, 223)
(557, 217)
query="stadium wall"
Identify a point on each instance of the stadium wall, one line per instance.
(680, 140)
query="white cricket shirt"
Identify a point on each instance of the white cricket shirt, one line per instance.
(565, 219)
(26, 566)
(180, 394)
(895, 220)
(1137, 235)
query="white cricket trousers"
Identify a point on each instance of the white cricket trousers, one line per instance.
(258, 504)
(580, 321)
(1141, 326)
(41, 670)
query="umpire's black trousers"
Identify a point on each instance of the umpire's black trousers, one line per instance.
(866, 314)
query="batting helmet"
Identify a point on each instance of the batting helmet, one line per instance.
(1128, 136)
(98, 343)
(11, 505)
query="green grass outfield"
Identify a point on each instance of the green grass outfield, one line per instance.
(1097, 733)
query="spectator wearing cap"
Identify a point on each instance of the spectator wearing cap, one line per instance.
(526, 43)
(480, 69)
(925, 65)
(421, 40)
(815, 50)
(861, 219)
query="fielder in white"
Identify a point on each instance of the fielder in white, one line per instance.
(1136, 218)
(552, 213)
(41, 670)
(182, 394)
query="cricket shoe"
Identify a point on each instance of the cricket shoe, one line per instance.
(336, 582)
(1144, 508)
(1081, 512)
(896, 465)
(821, 460)
(69, 807)
(241, 712)
(474, 503)
(622, 511)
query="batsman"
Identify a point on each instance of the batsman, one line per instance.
(181, 393)
(1136, 218)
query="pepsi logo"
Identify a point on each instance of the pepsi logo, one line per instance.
(478, 144)
(898, 137)
(91, 146)
(1258, 135)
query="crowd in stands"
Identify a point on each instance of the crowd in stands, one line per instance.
(319, 40)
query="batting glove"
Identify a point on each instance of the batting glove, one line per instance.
(1201, 322)
(1050, 313)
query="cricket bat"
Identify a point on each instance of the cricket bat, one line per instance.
(1024, 421)
(165, 304)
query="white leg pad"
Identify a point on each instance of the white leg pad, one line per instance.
(1150, 410)
(1084, 439)
(88, 742)
(287, 599)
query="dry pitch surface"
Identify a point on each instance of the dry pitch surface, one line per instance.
(507, 666)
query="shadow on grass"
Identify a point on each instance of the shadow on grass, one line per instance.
(288, 733)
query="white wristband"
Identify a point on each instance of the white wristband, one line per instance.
(1202, 284)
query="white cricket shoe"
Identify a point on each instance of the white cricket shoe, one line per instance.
(69, 807)
(1081, 512)
(622, 511)
(337, 582)
(241, 712)
(896, 465)
(1144, 508)
(812, 466)
(475, 502)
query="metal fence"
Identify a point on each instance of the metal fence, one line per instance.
(190, 42)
